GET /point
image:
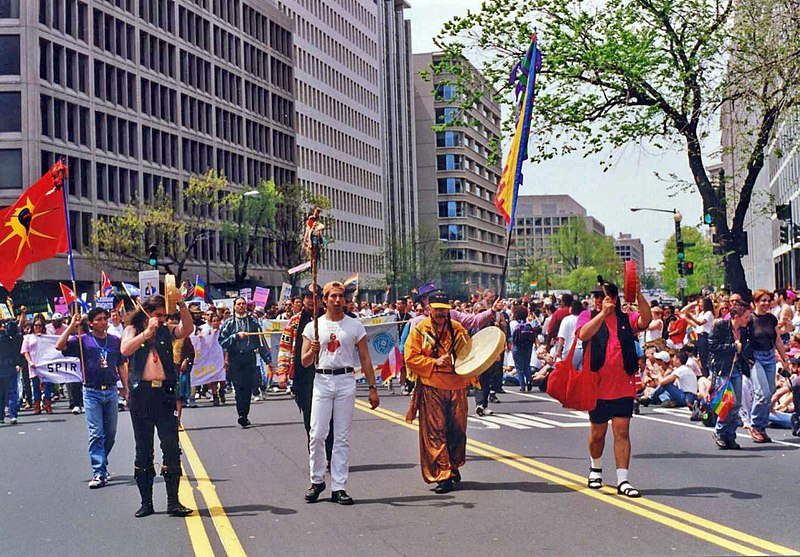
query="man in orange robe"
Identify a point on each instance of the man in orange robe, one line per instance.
(440, 397)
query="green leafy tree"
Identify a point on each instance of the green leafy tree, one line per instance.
(582, 279)
(655, 71)
(576, 247)
(708, 269)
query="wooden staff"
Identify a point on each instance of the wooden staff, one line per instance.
(315, 297)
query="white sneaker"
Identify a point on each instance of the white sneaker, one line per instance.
(97, 481)
(13, 421)
(82, 410)
(487, 412)
(76, 410)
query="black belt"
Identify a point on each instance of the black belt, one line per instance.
(101, 387)
(337, 371)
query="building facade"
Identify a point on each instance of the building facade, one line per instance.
(339, 75)
(538, 219)
(137, 95)
(456, 180)
(630, 249)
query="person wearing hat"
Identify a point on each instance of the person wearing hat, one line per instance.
(440, 397)
(340, 347)
(291, 366)
(609, 335)
(678, 383)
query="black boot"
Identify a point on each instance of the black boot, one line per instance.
(144, 481)
(174, 507)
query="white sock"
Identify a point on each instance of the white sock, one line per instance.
(596, 462)
(622, 475)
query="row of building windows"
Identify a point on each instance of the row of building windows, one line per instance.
(126, 5)
(160, 13)
(195, 71)
(323, 11)
(339, 111)
(352, 89)
(475, 256)
(194, 28)
(113, 134)
(348, 231)
(156, 54)
(337, 139)
(115, 85)
(114, 35)
(227, 10)
(159, 101)
(159, 147)
(196, 114)
(346, 262)
(64, 120)
(67, 16)
(336, 169)
(344, 58)
(63, 66)
(227, 46)
(267, 32)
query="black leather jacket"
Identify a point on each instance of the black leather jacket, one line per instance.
(722, 349)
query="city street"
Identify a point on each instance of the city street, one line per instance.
(523, 491)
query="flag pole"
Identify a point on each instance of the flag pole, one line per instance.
(61, 175)
(502, 293)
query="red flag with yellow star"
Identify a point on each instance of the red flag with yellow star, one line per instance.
(34, 228)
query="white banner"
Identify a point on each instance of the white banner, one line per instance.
(209, 360)
(51, 365)
(286, 293)
(149, 283)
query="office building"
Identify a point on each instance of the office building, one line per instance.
(538, 219)
(134, 95)
(456, 180)
(338, 48)
(630, 249)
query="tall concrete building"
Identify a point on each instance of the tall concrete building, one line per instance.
(137, 94)
(339, 54)
(456, 181)
(630, 249)
(538, 219)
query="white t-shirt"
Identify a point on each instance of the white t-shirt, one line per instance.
(694, 365)
(654, 334)
(115, 330)
(687, 380)
(708, 326)
(29, 342)
(337, 341)
(567, 331)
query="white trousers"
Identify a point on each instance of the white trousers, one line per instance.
(333, 395)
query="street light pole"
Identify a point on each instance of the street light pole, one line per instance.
(677, 217)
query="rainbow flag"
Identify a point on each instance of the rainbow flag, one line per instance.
(121, 306)
(352, 281)
(199, 288)
(723, 401)
(691, 332)
(506, 198)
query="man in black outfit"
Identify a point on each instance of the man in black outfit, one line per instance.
(152, 384)
(240, 350)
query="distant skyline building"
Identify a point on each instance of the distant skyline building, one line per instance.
(339, 56)
(630, 249)
(137, 95)
(456, 180)
(538, 219)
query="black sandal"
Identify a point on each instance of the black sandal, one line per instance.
(625, 488)
(595, 482)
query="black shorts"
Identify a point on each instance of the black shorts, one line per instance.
(607, 409)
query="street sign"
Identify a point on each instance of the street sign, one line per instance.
(682, 282)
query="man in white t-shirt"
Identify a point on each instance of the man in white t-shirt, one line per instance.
(566, 331)
(115, 326)
(680, 384)
(341, 347)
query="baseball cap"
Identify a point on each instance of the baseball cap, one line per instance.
(438, 299)
(57, 316)
(663, 356)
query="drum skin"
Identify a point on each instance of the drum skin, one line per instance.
(481, 352)
(631, 285)
(170, 293)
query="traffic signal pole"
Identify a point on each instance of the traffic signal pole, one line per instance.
(679, 248)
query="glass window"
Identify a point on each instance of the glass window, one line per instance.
(10, 118)
(10, 168)
(451, 185)
(449, 139)
(446, 92)
(445, 115)
(9, 54)
(9, 9)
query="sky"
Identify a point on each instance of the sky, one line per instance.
(608, 196)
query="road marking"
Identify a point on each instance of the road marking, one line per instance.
(227, 535)
(510, 421)
(194, 522)
(666, 515)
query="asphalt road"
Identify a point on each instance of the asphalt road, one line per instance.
(523, 491)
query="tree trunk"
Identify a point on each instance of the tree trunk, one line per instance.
(735, 280)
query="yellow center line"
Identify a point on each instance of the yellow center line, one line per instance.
(194, 522)
(657, 512)
(227, 535)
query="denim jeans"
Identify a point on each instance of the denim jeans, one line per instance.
(522, 362)
(101, 418)
(673, 393)
(37, 393)
(184, 388)
(9, 395)
(727, 429)
(702, 352)
(763, 377)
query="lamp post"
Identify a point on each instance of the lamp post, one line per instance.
(679, 246)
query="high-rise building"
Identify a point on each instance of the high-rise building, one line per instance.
(134, 95)
(539, 218)
(457, 178)
(399, 155)
(630, 249)
(339, 57)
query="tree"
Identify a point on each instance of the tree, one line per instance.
(708, 269)
(414, 260)
(121, 240)
(542, 273)
(577, 247)
(656, 71)
(582, 279)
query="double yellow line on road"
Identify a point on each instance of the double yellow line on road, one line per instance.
(665, 515)
(194, 523)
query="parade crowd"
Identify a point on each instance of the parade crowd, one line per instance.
(647, 354)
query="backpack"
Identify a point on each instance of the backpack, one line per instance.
(524, 336)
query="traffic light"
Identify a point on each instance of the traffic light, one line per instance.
(707, 218)
(783, 212)
(679, 245)
(796, 233)
(689, 267)
(784, 233)
(152, 253)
